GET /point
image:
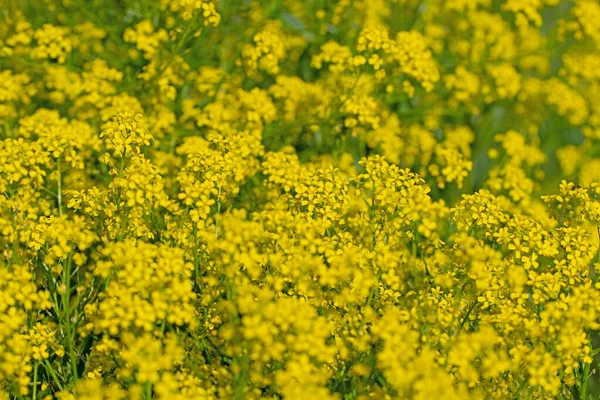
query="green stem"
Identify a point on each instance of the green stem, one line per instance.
(35, 383)
(50, 370)
(218, 212)
(69, 328)
(148, 390)
(465, 319)
(584, 385)
(59, 194)
(195, 250)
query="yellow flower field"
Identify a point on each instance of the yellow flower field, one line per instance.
(299, 199)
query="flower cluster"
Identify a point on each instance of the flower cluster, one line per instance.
(367, 199)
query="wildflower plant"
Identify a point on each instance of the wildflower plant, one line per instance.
(210, 199)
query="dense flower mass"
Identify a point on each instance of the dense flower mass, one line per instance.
(299, 199)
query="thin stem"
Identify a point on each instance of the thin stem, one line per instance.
(218, 212)
(50, 370)
(196, 261)
(35, 383)
(584, 385)
(69, 329)
(465, 319)
(59, 194)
